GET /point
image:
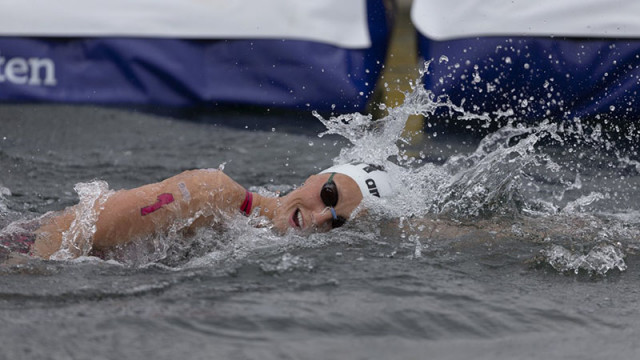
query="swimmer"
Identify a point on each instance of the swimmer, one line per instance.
(201, 198)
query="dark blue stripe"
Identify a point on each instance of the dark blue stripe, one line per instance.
(584, 77)
(177, 72)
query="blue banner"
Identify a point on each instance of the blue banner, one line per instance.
(282, 72)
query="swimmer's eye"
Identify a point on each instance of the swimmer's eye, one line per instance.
(329, 192)
(329, 196)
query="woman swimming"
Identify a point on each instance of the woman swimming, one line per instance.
(196, 199)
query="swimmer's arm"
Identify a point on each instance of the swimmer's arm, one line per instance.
(192, 196)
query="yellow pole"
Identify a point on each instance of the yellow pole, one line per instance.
(401, 67)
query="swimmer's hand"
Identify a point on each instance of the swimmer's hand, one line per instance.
(13, 259)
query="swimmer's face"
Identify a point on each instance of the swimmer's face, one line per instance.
(303, 209)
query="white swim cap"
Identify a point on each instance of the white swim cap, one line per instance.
(372, 179)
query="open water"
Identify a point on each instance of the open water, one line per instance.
(520, 241)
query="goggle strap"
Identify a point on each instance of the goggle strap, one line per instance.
(333, 213)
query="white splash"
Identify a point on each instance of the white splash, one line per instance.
(600, 260)
(502, 178)
(78, 239)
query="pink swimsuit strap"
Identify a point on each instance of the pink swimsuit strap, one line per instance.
(246, 205)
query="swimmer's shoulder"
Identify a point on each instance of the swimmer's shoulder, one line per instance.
(201, 175)
(205, 179)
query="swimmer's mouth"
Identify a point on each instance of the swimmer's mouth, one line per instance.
(297, 219)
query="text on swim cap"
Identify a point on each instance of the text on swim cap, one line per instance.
(373, 189)
(371, 168)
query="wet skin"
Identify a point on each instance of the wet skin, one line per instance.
(211, 194)
(304, 210)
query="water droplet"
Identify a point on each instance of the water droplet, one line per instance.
(476, 78)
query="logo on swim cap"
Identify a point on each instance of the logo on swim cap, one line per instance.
(371, 179)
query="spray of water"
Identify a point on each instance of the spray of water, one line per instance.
(78, 239)
(524, 171)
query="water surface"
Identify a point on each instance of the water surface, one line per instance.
(520, 244)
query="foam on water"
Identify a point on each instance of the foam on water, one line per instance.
(600, 259)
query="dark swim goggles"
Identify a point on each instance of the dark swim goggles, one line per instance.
(329, 195)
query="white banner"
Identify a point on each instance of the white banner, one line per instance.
(444, 20)
(337, 22)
